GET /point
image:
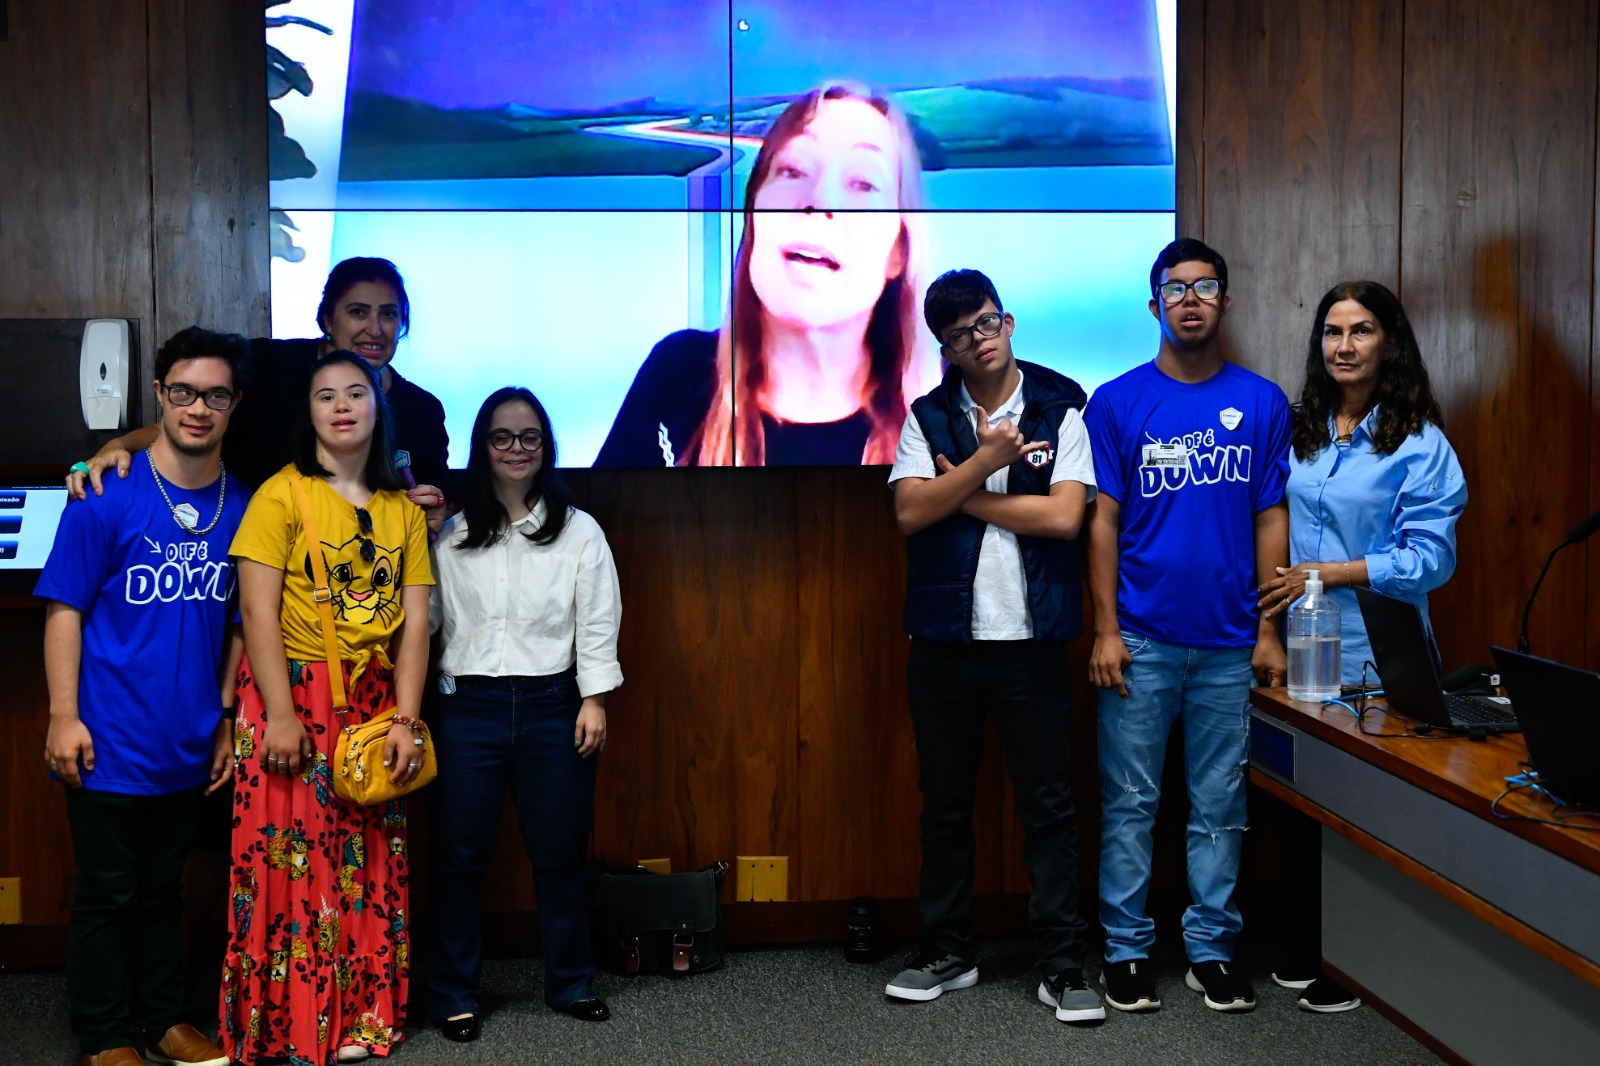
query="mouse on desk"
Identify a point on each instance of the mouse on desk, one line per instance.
(1471, 681)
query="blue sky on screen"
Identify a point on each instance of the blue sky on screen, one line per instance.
(573, 54)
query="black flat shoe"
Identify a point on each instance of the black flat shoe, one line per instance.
(461, 1030)
(588, 1010)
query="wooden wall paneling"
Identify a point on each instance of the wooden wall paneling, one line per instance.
(35, 843)
(208, 168)
(705, 727)
(1188, 151)
(75, 217)
(1498, 267)
(858, 799)
(74, 120)
(1592, 552)
(1302, 162)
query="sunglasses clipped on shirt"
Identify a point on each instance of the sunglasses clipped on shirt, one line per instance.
(364, 520)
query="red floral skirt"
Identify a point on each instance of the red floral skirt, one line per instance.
(318, 954)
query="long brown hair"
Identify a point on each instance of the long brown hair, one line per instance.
(1404, 396)
(732, 428)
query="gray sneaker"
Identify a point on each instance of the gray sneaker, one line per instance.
(930, 972)
(1072, 997)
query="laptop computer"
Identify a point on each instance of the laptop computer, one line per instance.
(1403, 654)
(1559, 707)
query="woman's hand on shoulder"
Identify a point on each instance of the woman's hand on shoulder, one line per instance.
(102, 460)
(432, 502)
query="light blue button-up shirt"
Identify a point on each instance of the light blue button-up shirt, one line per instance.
(1398, 512)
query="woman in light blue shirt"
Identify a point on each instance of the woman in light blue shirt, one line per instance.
(1374, 487)
(1374, 494)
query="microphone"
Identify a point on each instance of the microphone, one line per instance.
(402, 466)
(1580, 533)
(1583, 530)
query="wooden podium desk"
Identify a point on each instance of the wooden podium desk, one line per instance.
(1482, 933)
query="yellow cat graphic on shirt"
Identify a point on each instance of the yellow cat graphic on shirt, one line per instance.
(363, 592)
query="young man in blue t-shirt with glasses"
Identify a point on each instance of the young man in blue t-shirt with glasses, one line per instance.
(1191, 454)
(140, 648)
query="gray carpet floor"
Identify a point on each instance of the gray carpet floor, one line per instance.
(808, 1006)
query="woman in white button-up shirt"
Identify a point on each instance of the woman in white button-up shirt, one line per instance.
(528, 609)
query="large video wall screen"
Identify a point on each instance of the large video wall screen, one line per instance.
(700, 231)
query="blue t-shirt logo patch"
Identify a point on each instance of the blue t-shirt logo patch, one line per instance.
(1231, 417)
(1040, 458)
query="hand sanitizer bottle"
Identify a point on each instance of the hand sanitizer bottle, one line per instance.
(1314, 644)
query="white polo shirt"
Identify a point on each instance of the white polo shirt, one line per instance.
(1000, 589)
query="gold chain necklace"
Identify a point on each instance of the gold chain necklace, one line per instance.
(188, 527)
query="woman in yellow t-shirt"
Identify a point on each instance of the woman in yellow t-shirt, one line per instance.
(318, 956)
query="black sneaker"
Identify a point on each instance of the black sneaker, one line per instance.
(1327, 996)
(1072, 998)
(1293, 979)
(1224, 990)
(1130, 985)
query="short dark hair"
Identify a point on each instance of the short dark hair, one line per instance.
(380, 472)
(956, 294)
(484, 513)
(1187, 250)
(352, 272)
(1404, 396)
(197, 343)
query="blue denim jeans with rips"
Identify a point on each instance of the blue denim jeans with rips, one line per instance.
(1205, 689)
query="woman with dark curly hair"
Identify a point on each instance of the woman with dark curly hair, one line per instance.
(1374, 494)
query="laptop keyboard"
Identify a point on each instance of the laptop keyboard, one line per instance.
(1465, 710)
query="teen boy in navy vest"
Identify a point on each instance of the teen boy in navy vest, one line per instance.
(991, 505)
(1191, 454)
(140, 654)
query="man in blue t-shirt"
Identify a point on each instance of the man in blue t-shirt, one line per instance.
(1191, 454)
(141, 645)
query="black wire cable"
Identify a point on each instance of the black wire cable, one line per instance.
(1527, 780)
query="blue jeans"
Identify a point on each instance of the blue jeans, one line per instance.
(1207, 690)
(493, 732)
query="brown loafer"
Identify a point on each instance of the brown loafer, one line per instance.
(116, 1056)
(184, 1046)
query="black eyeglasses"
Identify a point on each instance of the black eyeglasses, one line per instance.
(364, 521)
(959, 340)
(181, 395)
(1172, 292)
(531, 439)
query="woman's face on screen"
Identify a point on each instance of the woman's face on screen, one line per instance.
(516, 464)
(827, 227)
